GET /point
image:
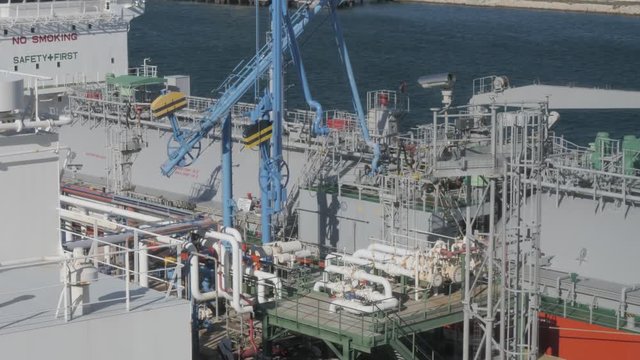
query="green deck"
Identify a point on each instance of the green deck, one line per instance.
(132, 81)
(308, 314)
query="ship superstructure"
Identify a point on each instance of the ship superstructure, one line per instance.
(66, 42)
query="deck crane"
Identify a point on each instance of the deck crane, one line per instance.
(184, 146)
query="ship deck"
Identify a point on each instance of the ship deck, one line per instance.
(31, 297)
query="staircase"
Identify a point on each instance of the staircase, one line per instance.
(309, 173)
(407, 344)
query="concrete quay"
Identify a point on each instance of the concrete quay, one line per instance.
(620, 7)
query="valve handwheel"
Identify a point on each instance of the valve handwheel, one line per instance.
(174, 145)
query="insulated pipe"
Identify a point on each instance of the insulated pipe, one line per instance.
(390, 249)
(391, 269)
(347, 259)
(362, 275)
(263, 277)
(111, 210)
(20, 125)
(150, 232)
(143, 263)
(372, 255)
(303, 253)
(233, 237)
(88, 220)
(356, 307)
(290, 246)
(333, 286)
(194, 278)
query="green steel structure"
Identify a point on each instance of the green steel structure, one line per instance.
(347, 335)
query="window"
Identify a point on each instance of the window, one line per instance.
(58, 63)
(89, 26)
(37, 66)
(113, 60)
(6, 32)
(73, 27)
(15, 68)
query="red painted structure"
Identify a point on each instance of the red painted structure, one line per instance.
(576, 340)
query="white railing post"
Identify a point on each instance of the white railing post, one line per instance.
(126, 277)
(178, 271)
(67, 295)
(136, 257)
(94, 246)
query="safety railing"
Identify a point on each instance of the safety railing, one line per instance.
(67, 309)
(19, 12)
(142, 243)
(404, 333)
(309, 313)
(589, 313)
(313, 313)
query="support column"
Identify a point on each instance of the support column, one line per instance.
(227, 173)
(347, 352)
(503, 270)
(467, 274)
(489, 320)
(266, 338)
(144, 265)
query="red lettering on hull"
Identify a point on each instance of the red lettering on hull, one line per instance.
(49, 38)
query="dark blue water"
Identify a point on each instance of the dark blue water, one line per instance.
(389, 43)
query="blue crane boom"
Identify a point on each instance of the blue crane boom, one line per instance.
(184, 146)
(237, 86)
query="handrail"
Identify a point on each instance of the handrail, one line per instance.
(406, 334)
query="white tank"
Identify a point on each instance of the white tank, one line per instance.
(11, 93)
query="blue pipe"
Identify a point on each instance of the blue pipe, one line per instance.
(344, 56)
(317, 127)
(265, 192)
(175, 127)
(227, 175)
(270, 190)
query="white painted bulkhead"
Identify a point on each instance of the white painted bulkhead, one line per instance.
(66, 55)
(593, 239)
(69, 41)
(29, 193)
(199, 183)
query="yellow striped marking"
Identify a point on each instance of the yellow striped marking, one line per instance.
(168, 104)
(258, 138)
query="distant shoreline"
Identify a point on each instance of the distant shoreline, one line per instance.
(620, 7)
